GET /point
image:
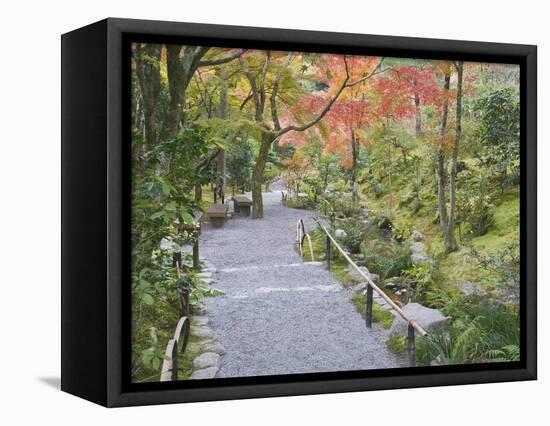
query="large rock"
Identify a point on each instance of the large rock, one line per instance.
(205, 332)
(420, 254)
(418, 247)
(207, 360)
(205, 373)
(421, 259)
(469, 288)
(213, 346)
(199, 320)
(432, 320)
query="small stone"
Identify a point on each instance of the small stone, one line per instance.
(207, 360)
(208, 281)
(204, 275)
(340, 233)
(200, 320)
(205, 373)
(213, 346)
(205, 332)
(417, 235)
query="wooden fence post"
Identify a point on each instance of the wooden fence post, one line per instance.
(328, 252)
(196, 259)
(368, 310)
(176, 259)
(411, 345)
(175, 362)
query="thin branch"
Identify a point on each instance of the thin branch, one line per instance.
(207, 161)
(221, 61)
(248, 97)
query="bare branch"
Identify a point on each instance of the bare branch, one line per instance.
(262, 78)
(374, 72)
(254, 88)
(248, 97)
(221, 61)
(273, 98)
(323, 112)
(204, 164)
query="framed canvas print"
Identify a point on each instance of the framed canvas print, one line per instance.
(253, 212)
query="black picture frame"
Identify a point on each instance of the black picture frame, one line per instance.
(95, 212)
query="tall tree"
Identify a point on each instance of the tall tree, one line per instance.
(181, 64)
(271, 129)
(447, 216)
(450, 239)
(147, 59)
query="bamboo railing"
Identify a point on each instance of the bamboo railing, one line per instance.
(413, 326)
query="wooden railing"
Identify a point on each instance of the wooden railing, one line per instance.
(178, 343)
(301, 236)
(413, 326)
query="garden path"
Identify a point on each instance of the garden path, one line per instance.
(280, 315)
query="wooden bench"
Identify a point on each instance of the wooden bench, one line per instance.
(242, 205)
(217, 214)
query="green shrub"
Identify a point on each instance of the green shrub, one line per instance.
(386, 258)
(484, 331)
(383, 219)
(375, 187)
(355, 232)
(397, 344)
(475, 205)
(304, 203)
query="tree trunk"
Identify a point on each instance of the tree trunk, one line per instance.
(417, 115)
(198, 192)
(178, 80)
(354, 155)
(258, 175)
(450, 240)
(221, 155)
(180, 66)
(147, 59)
(441, 174)
(441, 196)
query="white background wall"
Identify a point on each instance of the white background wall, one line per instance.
(30, 211)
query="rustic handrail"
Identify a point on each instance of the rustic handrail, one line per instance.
(412, 324)
(169, 370)
(390, 302)
(301, 234)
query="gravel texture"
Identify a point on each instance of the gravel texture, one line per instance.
(279, 315)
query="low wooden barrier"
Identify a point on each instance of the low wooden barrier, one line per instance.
(413, 326)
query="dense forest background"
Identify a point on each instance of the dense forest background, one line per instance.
(384, 148)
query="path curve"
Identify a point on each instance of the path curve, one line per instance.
(279, 315)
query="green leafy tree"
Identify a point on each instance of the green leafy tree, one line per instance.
(498, 131)
(239, 164)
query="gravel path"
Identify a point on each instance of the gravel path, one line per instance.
(279, 315)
